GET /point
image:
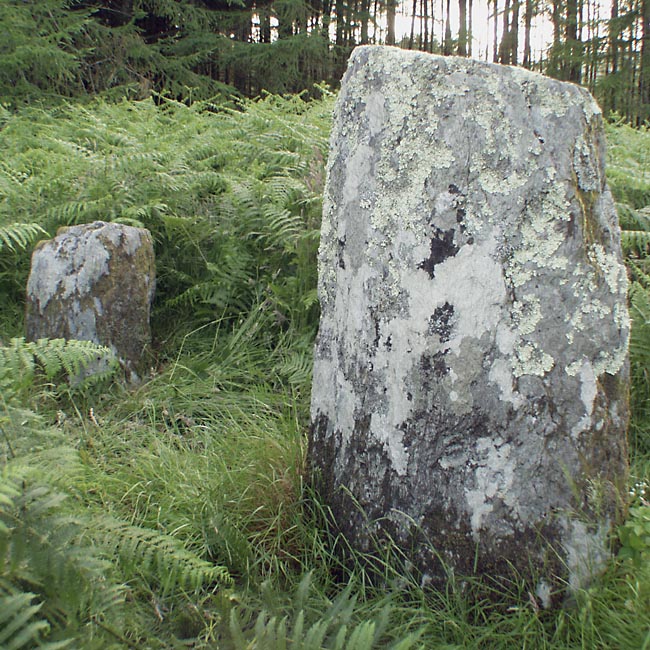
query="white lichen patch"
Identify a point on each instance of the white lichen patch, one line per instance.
(586, 550)
(444, 158)
(584, 317)
(611, 362)
(494, 183)
(501, 374)
(375, 113)
(588, 386)
(527, 314)
(392, 440)
(492, 477)
(586, 164)
(356, 170)
(530, 360)
(472, 281)
(542, 234)
(67, 265)
(609, 264)
(554, 104)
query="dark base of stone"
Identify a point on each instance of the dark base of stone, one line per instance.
(367, 534)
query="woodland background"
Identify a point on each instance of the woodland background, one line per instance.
(177, 513)
(197, 49)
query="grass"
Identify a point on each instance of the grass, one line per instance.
(133, 493)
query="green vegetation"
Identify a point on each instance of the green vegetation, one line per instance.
(193, 50)
(175, 514)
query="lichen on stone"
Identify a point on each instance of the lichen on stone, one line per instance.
(94, 282)
(473, 304)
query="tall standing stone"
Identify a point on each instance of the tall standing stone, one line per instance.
(470, 380)
(94, 282)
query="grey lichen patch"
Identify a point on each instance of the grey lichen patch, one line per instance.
(94, 282)
(474, 312)
(71, 270)
(586, 550)
(585, 164)
(493, 480)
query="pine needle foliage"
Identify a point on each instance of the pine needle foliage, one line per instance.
(55, 49)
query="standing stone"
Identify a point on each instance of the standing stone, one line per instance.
(470, 380)
(94, 282)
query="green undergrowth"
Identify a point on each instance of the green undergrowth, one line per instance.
(175, 514)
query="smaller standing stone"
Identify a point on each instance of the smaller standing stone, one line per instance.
(94, 282)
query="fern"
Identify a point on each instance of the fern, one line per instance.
(231, 197)
(635, 235)
(21, 623)
(78, 562)
(629, 176)
(158, 557)
(83, 362)
(637, 241)
(19, 235)
(335, 628)
(47, 571)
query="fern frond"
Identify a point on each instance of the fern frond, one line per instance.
(162, 558)
(16, 367)
(333, 629)
(637, 240)
(85, 363)
(640, 314)
(45, 550)
(19, 235)
(82, 210)
(140, 215)
(20, 623)
(283, 227)
(296, 367)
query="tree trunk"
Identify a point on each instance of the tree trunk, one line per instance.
(340, 22)
(424, 46)
(391, 8)
(469, 28)
(365, 19)
(495, 46)
(573, 58)
(514, 34)
(504, 47)
(413, 12)
(462, 29)
(528, 19)
(554, 58)
(446, 48)
(644, 77)
(327, 19)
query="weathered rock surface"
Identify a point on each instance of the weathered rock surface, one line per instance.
(470, 380)
(94, 282)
